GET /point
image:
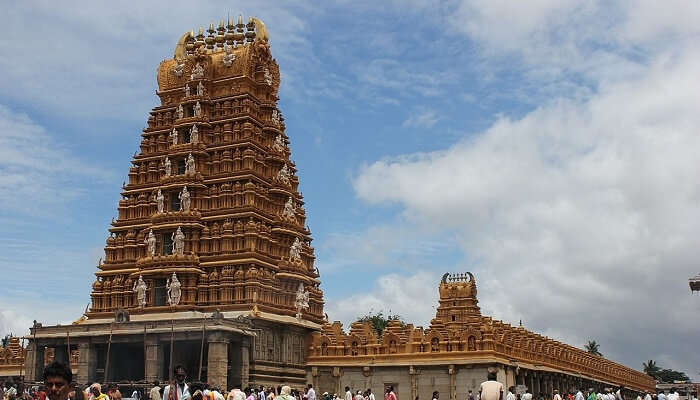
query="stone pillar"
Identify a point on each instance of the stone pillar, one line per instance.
(34, 362)
(84, 365)
(153, 359)
(453, 387)
(245, 362)
(60, 354)
(217, 363)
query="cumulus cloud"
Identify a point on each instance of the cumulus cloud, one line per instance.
(407, 296)
(581, 217)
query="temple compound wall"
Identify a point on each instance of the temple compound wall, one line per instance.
(457, 352)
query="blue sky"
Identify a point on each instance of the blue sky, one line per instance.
(551, 148)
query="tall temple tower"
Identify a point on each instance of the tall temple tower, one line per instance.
(209, 263)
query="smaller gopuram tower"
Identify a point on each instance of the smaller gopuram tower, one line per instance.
(209, 263)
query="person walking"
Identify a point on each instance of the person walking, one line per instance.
(491, 389)
(511, 393)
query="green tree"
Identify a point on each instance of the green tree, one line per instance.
(651, 369)
(669, 376)
(378, 321)
(593, 348)
(6, 340)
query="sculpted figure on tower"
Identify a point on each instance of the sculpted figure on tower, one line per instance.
(150, 241)
(185, 200)
(168, 167)
(178, 239)
(140, 290)
(160, 201)
(174, 292)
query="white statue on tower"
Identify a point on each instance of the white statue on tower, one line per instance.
(160, 200)
(179, 67)
(168, 167)
(229, 57)
(275, 117)
(187, 90)
(180, 112)
(302, 300)
(185, 200)
(283, 175)
(268, 77)
(197, 72)
(194, 133)
(279, 144)
(289, 209)
(174, 292)
(178, 239)
(140, 289)
(150, 240)
(200, 89)
(173, 135)
(197, 109)
(190, 167)
(295, 250)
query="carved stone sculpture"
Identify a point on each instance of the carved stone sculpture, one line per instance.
(197, 72)
(185, 200)
(187, 90)
(229, 57)
(168, 167)
(295, 250)
(283, 175)
(190, 166)
(179, 68)
(140, 290)
(150, 240)
(279, 144)
(302, 299)
(160, 201)
(275, 117)
(180, 112)
(178, 239)
(289, 210)
(174, 292)
(268, 77)
(194, 132)
(197, 110)
(173, 135)
(200, 89)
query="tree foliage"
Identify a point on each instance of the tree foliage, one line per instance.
(378, 321)
(6, 340)
(593, 347)
(664, 375)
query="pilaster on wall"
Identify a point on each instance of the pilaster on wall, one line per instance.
(30, 362)
(453, 387)
(245, 362)
(414, 381)
(86, 363)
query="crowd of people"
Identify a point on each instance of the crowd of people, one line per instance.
(58, 385)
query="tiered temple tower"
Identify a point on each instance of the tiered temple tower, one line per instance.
(211, 228)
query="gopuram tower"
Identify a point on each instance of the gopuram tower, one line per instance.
(209, 263)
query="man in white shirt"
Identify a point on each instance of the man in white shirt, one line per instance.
(311, 393)
(556, 395)
(491, 389)
(370, 394)
(661, 396)
(527, 395)
(673, 395)
(179, 390)
(348, 393)
(647, 396)
(579, 395)
(511, 393)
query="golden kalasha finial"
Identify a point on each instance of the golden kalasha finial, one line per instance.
(229, 32)
(220, 32)
(210, 39)
(250, 34)
(239, 36)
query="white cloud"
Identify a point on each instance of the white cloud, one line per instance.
(425, 119)
(412, 297)
(582, 216)
(35, 168)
